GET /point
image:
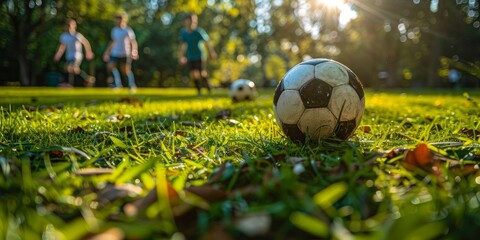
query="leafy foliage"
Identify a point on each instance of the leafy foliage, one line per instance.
(253, 37)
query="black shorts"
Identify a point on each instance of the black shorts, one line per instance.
(124, 60)
(195, 65)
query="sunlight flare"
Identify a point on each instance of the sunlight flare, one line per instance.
(339, 4)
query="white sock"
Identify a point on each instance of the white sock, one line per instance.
(117, 78)
(131, 80)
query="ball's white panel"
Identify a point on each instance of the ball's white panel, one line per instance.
(345, 103)
(358, 119)
(289, 107)
(298, 76)
(277, 118)
(332, 73)
(243, 89)
(318, 123)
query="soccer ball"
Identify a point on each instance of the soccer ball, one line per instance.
(243, 90)
(319, 99)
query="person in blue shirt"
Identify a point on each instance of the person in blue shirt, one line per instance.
(71, 43)
(121, 50)
(194, 41)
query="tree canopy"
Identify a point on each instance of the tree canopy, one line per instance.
(411, 43)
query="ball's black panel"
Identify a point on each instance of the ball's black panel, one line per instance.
(293, 132)
(345, 129)
(315, 61)
(278, 92)
(315, 93)
(356, 84)
(240, 88)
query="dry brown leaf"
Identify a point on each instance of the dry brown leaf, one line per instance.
(366, 128)
(423, 155)
(131, 100)
(207, 192)
(217, 231)
(217, 176)
(223, 114)
(109, 234)
(112, 192)
(137, 206)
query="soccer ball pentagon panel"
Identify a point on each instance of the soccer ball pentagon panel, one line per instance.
(319, 99)
(243, 90)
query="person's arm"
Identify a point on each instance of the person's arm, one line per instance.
(134, 49)
(211, 51)
(60, 51)
(88, 48)
(181, 55)
(106, 55)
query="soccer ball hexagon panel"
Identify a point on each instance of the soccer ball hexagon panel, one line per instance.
(318, 99)
(243, 90)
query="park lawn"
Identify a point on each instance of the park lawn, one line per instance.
(167, 164)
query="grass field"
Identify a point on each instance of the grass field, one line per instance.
(167, 164)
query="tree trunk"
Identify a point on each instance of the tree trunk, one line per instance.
(24, 67)
(21, 36)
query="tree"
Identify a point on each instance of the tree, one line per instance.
(34, 26)
(408, 37)
(27, 19)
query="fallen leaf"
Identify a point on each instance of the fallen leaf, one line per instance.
(109, 234)
(56, 153)
(217, 231)
(112, 192)
(223, 114)
(207, 192)
(78, 130)
(253, 224)
(366, 128)
(244, 191)
(191, 124)
(131, 100)
(180, 133)
(92, 171)
(470, 132)
(423, 155)
(139, 205)
(466, 169)
(420, 156)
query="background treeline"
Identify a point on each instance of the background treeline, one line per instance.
(411, 43)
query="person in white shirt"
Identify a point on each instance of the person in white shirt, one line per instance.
(71, 43)
(120, 52)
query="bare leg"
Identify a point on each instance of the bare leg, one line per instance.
(195, 75)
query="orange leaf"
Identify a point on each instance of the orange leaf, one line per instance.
(410, 160)
(366, 128)
(423, 155)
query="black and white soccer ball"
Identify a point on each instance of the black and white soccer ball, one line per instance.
(243, 90)
(319, 99)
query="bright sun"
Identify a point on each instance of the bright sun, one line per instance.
(332, 3)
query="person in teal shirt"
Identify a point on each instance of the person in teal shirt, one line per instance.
(192, 53)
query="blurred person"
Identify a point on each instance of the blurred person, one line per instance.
(192, 53)
(121, 50)
(71, 43)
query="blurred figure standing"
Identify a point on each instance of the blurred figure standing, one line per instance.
(121, 50)
(192, 37)
(71, 43)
